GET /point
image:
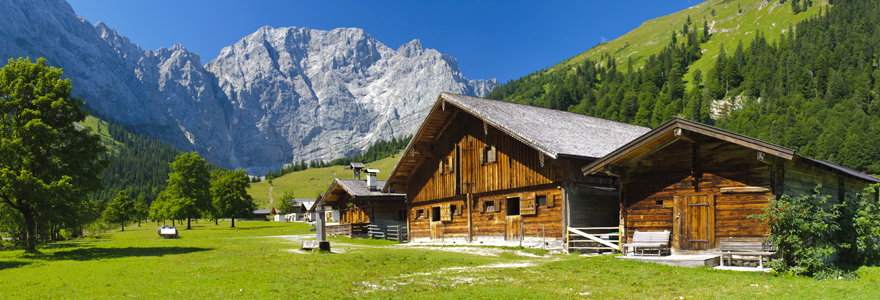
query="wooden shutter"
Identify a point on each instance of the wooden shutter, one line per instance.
(445, 213)
(527, 204)
(491, 154)
(551, 199)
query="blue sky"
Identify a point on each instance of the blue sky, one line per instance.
(490, 39)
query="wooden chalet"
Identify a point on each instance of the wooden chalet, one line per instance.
(481, 170)
(701, 183)
(361, 203)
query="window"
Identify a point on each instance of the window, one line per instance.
(453, 210)
(513, 206)
(489, 206)
(450, 164)
(401, 215)
(435, 214)
(420, 214)
(542, 200)
(489, 154)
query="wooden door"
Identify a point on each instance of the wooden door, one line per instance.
(514, 228)
(466, 167)
(437, 230)
(695, 222)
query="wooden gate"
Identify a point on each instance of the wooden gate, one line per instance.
(694, 222)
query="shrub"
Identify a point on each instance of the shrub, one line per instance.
(816, 238)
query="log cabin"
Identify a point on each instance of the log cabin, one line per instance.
(487, 171)
(701, 183)
(363, 202)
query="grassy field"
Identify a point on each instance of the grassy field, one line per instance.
(259, 260)
(311, 182)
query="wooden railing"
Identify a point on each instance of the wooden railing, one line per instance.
(349, 230)
(594, 238)
(390, 232)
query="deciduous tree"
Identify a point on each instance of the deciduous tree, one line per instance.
(189, 188)
(231, 199)
(47, 164)
(120, 210)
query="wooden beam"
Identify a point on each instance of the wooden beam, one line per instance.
(651, 151)
(745, 190)
(684, 135)
(615, 171)
(445, 125)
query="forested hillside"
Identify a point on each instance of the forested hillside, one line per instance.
(813, 89)
(137, 163)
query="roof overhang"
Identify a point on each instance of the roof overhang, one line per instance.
(445, 110)
(675, 130)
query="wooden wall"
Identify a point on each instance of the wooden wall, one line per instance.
(517, 165)
(800, 177)
(654, 182)
(386, 212)
(545, 222)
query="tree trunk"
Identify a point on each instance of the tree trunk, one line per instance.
(172, 222)
(123, 226)
(30, 228)
(216, 222)
(188, 224)
(233, 222)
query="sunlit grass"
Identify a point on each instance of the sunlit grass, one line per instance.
(252, 261)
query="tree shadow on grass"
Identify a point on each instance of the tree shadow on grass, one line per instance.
(12, 264)
(90, 253)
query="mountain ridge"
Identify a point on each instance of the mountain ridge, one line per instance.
(313, 94)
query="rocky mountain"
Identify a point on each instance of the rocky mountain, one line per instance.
(276, 96)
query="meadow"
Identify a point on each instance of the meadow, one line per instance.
(261, 260)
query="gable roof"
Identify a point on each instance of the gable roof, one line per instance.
(554, 133)
(679, 128)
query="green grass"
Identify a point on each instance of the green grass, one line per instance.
(653, 35)
(247, 262)
(312, 182)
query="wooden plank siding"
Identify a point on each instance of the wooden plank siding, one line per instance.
(516, 172)
(516, 166)
(685, 169)
(545, 222)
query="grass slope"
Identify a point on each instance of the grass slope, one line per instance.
(247, 262)
(729, 27)
(312, 182)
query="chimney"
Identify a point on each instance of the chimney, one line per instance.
(371, 179)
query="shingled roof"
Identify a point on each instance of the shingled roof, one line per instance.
(554, 133)
(357, 190)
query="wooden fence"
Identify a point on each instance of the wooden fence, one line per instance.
(390, 232)
(598, 239)
(349, 230)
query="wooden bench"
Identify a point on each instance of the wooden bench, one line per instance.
(753, 247)
(651, 240)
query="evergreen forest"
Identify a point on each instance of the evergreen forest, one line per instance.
(376, 151)
(815, 89)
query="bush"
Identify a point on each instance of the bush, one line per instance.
(816, 238)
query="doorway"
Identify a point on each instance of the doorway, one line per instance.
(694, 222)
(514, 219)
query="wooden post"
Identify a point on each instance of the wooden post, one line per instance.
(470, 200)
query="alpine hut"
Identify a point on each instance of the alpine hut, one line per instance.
(362, 203)
(488, 171)
(701, 183)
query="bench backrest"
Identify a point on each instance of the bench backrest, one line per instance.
(651, 237)
(746, 244)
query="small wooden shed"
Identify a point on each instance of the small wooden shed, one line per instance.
(701, 183)
(358, 202)
(481, 170)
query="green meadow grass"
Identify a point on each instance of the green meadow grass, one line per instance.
(312, 182)
(253, 262)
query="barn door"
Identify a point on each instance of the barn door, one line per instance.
(436, 223)
(514, 219)
(695, 216)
